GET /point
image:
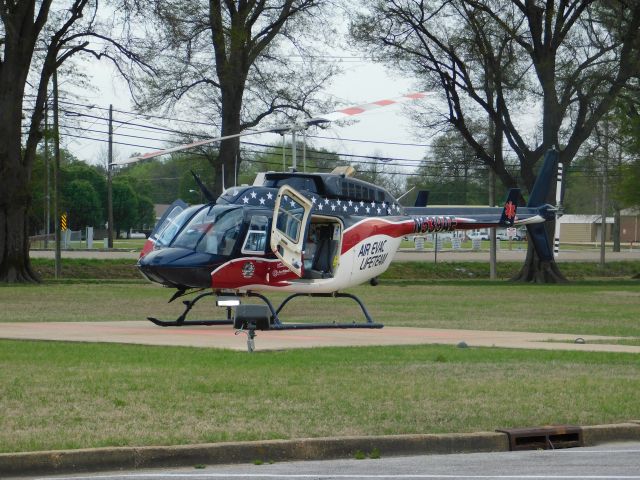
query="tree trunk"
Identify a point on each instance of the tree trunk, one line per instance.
(536, 270)
(15, 266)
(540, 270)
(15, 196)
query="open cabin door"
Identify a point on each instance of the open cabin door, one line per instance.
(290, 219)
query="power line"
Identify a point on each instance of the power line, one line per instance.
(322, 155)
(125, 112)
(150, 127)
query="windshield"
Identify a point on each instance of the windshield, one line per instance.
(214, 230)
(171, 225)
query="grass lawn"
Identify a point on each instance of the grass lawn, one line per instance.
(56, 395)
(582, 307)
(131, 244)
(66, 395)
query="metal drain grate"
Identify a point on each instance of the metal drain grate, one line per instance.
(544, 438)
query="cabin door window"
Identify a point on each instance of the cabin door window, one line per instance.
(291, 216)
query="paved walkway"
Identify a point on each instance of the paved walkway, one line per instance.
(515, 255)
(141, 332)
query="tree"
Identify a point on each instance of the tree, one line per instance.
(169, 179)
(125, 206)
(34, 41)
(627, 120)
(629, 191)
(77, 170)
(146, 214)
(376, 171)
(452, 174)
(82, 205)
(489, 57)
(230, 60)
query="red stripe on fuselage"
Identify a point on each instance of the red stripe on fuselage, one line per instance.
(368, 228)
(244, 271)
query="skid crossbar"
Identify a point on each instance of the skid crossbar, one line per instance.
(275, 323)
(182, 322)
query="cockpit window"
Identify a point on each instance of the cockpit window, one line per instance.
(256, 239)
(214, 230)
(171, 225)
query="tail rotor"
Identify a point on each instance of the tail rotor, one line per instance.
(556, 234)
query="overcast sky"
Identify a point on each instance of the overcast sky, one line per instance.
(362, 81)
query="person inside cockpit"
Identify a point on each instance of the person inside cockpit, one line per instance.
(311, 245)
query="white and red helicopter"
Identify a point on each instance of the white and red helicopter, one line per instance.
(312, 234)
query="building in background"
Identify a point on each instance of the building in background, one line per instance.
(584, 228)
(630, 225)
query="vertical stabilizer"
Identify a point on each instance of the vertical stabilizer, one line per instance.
(422, 199)
(543, 183)
(510, 208)
(539, 194)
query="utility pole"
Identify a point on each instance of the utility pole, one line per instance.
(109, 183)
(47, 185)
(603, 209)
(492, 231)
(603, 213)
(56, 175)
(492, 202)
(616, 207)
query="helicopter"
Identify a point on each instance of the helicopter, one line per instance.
(306, 234)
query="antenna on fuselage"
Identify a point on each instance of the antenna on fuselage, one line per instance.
(406, 193)
(203, 188)
(294, 149)
(304, 150)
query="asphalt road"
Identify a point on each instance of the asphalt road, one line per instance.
(613, 461)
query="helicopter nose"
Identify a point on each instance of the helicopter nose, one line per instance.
(179, 267)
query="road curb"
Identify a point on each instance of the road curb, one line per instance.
(618, 432)
(118, 458)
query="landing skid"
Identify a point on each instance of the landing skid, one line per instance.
(181, 321)
(249, 318)
(302, 326)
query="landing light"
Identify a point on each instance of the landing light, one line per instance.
(227, 302)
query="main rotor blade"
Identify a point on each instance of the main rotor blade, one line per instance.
(180, 148)
(349, 112)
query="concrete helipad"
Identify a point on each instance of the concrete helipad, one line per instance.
(145, 333)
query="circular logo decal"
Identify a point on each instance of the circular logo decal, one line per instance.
(248, 269)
